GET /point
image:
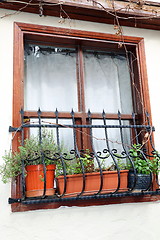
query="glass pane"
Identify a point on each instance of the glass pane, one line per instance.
(50, 78)
(107, 82)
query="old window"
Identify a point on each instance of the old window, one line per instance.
(77, 78)
(70, 69)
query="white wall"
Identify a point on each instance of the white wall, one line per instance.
(122, 221)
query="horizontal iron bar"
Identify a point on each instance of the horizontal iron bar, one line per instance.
(12, 129)
(14, 200)
(86, 126)
(98, 196)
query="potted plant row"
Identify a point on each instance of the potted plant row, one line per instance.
(138, 177)
(91, 185)
(40, 158)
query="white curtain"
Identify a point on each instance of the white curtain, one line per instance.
(50, 79)
(107, 83)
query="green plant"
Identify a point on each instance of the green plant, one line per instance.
(120, 163)
(143, 165)
(31, 152)
(74, 166)
(86, 159)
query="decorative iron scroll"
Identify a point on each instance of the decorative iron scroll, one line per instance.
(90, 172)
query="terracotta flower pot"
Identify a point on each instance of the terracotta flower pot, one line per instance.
(35, 180)
(110, 182)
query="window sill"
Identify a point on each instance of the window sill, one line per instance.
(20, 207)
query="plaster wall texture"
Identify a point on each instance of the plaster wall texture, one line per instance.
(122, 221)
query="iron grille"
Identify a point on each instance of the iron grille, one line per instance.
(95, 157)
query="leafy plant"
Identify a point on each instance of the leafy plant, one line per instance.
(143, 165)
(31, 152)
(121, 163)
(12, 166)
(87, 160)
(74, 166)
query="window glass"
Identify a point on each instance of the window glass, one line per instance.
(50, 78)
(107, 82)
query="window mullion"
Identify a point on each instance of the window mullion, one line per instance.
(80, 79)
(81, 97)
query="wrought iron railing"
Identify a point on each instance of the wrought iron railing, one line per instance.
(89, 164)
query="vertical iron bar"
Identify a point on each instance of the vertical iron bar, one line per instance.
(74, 132)
(152, 145)
(95, 154)
(60, 154)
(23, 163)
(42, 153)
(150, 137)
(57, 129)
(126, 152)
(135, 129)
(77, 154)
(110, 152)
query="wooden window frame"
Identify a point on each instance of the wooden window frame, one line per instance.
(20, 31)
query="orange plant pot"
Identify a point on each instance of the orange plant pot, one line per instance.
(35, 180)
(92, 184)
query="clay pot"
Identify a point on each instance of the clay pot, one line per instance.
(35, 180)
(92, 184)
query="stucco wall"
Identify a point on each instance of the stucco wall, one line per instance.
(122, 221)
